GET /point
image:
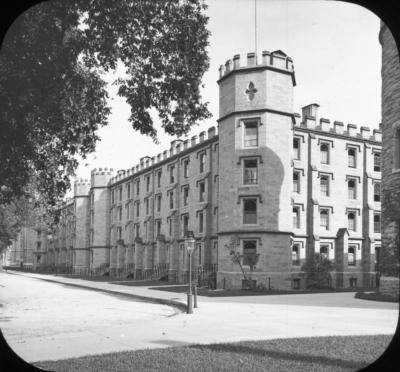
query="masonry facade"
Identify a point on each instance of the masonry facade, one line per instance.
(271, 183)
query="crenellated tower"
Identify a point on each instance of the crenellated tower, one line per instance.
(99, 224)
(255, 147)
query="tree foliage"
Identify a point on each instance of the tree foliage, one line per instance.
(317, 269)
(52, 94)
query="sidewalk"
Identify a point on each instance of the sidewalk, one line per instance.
(224, 319)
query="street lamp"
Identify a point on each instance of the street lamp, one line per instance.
(189, 243)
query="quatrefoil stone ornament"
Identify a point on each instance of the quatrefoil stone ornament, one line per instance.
(251, 91)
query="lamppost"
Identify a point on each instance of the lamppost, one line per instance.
(189, 243)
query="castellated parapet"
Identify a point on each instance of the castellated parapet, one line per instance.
(101, 176)
(177, 146)
(276, 59)
(81, 187)
(308, 120)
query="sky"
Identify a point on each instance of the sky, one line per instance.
(336, 54)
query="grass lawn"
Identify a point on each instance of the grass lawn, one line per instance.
(246, 292)
(350, 353)
(376, 296)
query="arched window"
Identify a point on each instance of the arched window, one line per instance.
(351, 186)
(295, 255)
(351, 157)
(377, 162)
(324, 219)
(351, 221)
(324, 153)
(377, 223)
(351, 256)
(324, 184)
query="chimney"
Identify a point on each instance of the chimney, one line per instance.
(310, 110)
(377, 135)
(309, 121)
(228, 66)
(211, 132)
(193, 141)
(185, 144)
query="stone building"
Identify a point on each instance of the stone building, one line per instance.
(389, 262)
(271, 183)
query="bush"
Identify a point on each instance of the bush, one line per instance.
(317, 270)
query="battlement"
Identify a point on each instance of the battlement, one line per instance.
(101, 176)
(176, 146)
(102, 171)
(276, 59)
(81, 187)
(309, 120)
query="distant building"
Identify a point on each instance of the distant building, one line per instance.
(271, 182)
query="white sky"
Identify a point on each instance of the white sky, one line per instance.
(335, 51)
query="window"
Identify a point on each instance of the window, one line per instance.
(201, 222)
(377, 223)
(249, 251)
(250, 171)
(137, 187)
(185, 195)
(324, 218)
(145, 229)
(148, 183)
(324, 185)
(296, 182)
(199, 252)
(351, 157)
(127, 211)
(324, 251)
(112, 197)
(111, 215)
(129, 190)
(170, 226)
(158, 227)
(377, 252)
(351, 256)
(351, 188)
(120, 193)
(185, 220)
(136, 230)
(186, 168)
(251, 134)
(296, 148)
(377, 191)
(171, 200)
(249, 211)
(351, 221)
(119, 233)
(119, 213)
(171, 174)
(137, 209)
(202, 162)
(202, 189)
(324, 153)
(295, 255)
(147, 205)
(377, 162)
(159, 178)
(296, 217)
(158, 197)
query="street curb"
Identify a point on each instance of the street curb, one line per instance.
(178, 305)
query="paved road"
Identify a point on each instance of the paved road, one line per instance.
(43, 320)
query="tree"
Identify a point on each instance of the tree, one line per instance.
(237, 258)
(52, 94)
(317, 270)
